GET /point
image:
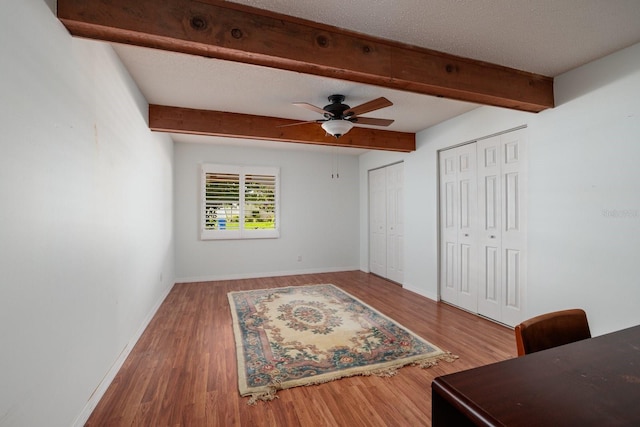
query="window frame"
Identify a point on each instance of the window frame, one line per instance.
(241, 232)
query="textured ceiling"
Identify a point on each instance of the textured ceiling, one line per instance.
(546, 37)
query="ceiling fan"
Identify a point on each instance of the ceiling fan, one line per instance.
(339, 118)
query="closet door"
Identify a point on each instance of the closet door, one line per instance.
(395, 222)
(448, 227)
(386, 222)
(490, 207)
(502, 237)
(458, 225)
(378, 222)
(482, 226)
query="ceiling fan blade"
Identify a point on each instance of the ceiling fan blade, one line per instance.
(299, 123)
(372, 121)
(312, 108)
(375, 104)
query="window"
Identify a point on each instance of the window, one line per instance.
(240, 202)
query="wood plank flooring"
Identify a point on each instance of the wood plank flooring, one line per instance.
(182, 371)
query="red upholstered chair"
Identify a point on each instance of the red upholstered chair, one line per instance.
(551, 330)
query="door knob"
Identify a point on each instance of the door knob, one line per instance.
(492, 237)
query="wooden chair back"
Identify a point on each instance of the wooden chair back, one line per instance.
(551, 330)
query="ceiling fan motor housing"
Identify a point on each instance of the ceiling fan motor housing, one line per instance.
(335, 110)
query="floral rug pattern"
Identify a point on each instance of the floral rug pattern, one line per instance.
(303, 335)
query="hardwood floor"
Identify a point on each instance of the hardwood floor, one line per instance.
(182, 371)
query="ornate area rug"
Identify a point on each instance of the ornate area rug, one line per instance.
(303, 335)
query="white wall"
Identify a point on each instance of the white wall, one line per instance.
(584, 193)
(85, 217)
(319, 215)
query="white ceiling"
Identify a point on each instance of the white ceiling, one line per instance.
(546, 37)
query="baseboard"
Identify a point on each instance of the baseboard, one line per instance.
(108, 378)
(264, 274)
(421, 292)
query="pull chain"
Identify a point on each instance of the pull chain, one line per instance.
(336, 165)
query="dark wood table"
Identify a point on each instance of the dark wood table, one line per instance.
(595, 382)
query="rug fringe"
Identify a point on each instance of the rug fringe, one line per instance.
(265, 396)
(447, 357)
(272, 389)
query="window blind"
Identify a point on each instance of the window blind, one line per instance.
(239, 202)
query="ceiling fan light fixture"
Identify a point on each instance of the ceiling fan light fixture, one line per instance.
(337, 128)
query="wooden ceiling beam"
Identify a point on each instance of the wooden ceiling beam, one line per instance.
(233, 125)
(224, 30)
